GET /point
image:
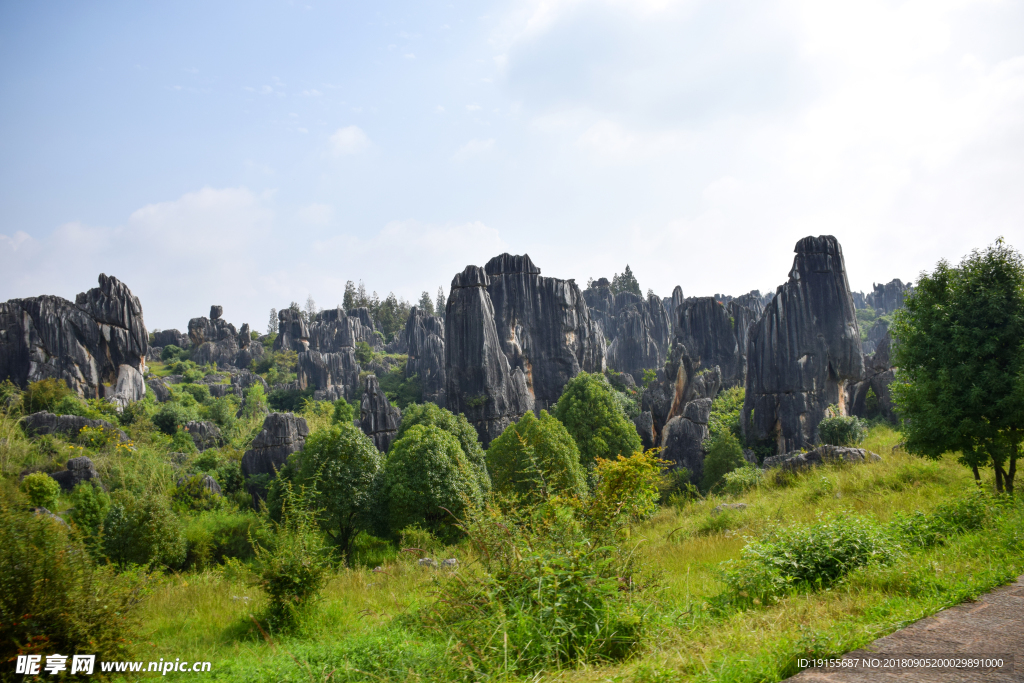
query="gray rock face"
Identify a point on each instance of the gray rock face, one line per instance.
(804, 349)
(204, 434)
(481, 382)
(684, 435)
(171, 338)
(634, 349)
(378, 419)
(744, 310)
(324, 371)
(38, 424)
(424, 343)
(880, 374)
(819, 456)
(888, 297)
(77, 470)
(543, 325)
(159, 388)
(84, 343)
(242, 380)
(704, 327)
(282, 435)
(292, 331)
(214, 340)
(130, 387)
(327, 352)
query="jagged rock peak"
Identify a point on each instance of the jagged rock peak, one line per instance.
(379, 420)
(472, 276)
(216, 312)
(507, 264)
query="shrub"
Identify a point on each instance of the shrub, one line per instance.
(725, 413)
(293, 571)
(191, 494)
(200, 392)
(955, 517)
(52, 597)
(97, 437)
(142, 531)
(344, 412)
(364, 353)
(837, 430)
(172, 353)
(591, 415)
(255, 402)
(221, 411)
(724, 454)
(427, 480)
(288, 400)
(428, 414)
(44, 394)
(814, 556)
(90, 506)
(401, 390)
(214, 537)
(536, 457)
(192, 375)
(42, 490)
(627, 489)
(741, 479)
(171, 416)
(71, 405)
(340, 467)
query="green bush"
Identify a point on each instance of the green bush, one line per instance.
(192, 375)
(842, 431)
(172, 353)
(596, 422)
(90, 507)
(955, 517)
(142, 531)
(200, 392)
(627, 489)
(814, 556)
(191, 494)
(370, 551)
(401, 390)
(288, 400)
(255, 402)
(724, 454)
(53, 596)
(173, 415)
(364, 353)
(42, 490)
(427, 480)
(293, 569)
(742, 479)
(213, 537)
(221, 411)
(44, 395)
(97, 437)
(725, 412)
(344, 412)
(428, 414)
(71, 405)
(536, 457)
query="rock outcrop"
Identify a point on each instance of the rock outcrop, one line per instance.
(822, 454)
(130, 387)
(639, 331)
(803, 350)
(84, 343)
(214, 340)
(282, 435)
(543, 325)
(423, 340)
(481, 382)
(684, 436)
(704, 327)
(76, 471)
(204, 435)
(327, 347)
(41, 423)
(880, 374)
(171, 337)
(888, 297)
(378, 419)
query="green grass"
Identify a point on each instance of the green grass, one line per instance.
(362, 629)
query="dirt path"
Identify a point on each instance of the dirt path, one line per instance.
(993, 625)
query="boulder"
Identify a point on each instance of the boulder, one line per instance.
(481, 382)
(130, 387)
(683, 438)
(158, 385)
(378, 419)
(803, 350)
(214, 340)
(798, 460)
(153, 354)
(84, 343)
(282, 435)
(423, 339)
(41, 423)
(76, 471)
(171, 338)
(204, 434)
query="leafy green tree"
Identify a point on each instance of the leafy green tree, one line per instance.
(428, 481)
(344, 412)
(428, 414)
(596, 422)
(142, 531)
(536, 456)
(339, 467)
(426, 304)
(724, 454)
(627, 489)
(272, 322)
(42, 490)
(626, 282)
(725, 412)
(90, 507)
(44, 394)
(960, 353)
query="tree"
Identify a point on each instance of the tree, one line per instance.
(142, 531)
(960, 353)
(273, 322)
(428, 414)
(428, 481)
(536, 457)
(426, 304)
(349, 301)
(594, 419)
(311, 309)
(441, 303)
(626, 282)
(339, 467)
(724, 454)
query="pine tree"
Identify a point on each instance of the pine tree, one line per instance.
(349, 302)
(426, 304)
(626, 282)
(441, 304)
(311, 309)
(272, 323)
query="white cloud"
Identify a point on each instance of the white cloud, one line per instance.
(474, 149)
(349, 140)
(316, 214)
(473, 107)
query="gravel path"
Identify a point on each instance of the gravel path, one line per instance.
(991, 625)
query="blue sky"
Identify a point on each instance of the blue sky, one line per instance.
(251, 154)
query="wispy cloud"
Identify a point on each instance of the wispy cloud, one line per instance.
(474, 149)
(349, 140)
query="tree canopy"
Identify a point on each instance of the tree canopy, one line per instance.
(595, 420)
(428, 414)
(960, 353)
(536, 456)
(626, 282)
